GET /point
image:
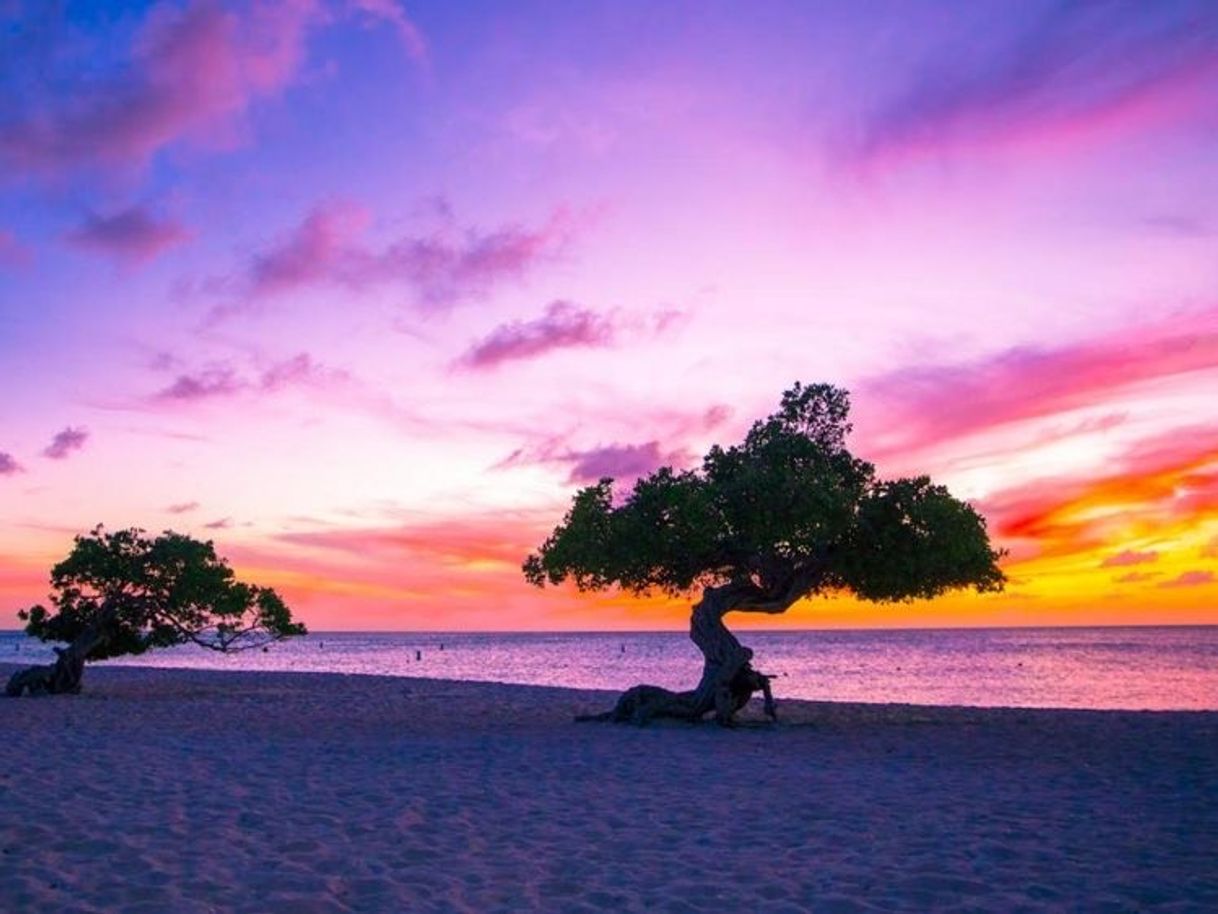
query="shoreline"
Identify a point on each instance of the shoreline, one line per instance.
(804, 707)
(206, 790)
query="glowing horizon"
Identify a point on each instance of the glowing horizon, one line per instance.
(365, 290)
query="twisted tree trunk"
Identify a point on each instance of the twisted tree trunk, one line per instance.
(728, 678)
(63, 677)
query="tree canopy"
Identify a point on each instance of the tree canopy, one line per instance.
(125, 592)
(787, 513)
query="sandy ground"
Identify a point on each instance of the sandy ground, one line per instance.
(183, 791)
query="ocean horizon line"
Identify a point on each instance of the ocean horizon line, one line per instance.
(743, 628)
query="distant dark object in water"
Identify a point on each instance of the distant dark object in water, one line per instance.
(266, 650)
(418, 655)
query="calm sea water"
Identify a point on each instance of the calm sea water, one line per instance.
(1132, 668)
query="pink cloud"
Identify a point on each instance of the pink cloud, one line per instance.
(1162, 481)
(66, 443)
(315, 248)
(391, 12)
(1137, 577)
(222, 380)
(222, 524)
(618, 461)
(193, 72)
(1129, 557)
(133, 235)
(8, 465)
(1079, 75)
(217, 381)
(1191, 579)
(183, 507)
(925, 404)
(563, 326)
(443, 268)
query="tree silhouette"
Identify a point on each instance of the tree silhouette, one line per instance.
(124, 593)
(788, 513)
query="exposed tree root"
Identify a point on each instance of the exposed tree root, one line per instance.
(728, 678)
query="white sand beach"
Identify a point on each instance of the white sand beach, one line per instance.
(191, 791)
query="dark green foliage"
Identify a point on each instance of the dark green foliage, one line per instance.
(789, 511)
(147, 592)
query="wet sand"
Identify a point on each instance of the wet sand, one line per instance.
(198, 791)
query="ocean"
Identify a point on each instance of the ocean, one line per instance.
(1137, 668)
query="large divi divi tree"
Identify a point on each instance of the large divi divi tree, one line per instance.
(124, 592)
(786, 514)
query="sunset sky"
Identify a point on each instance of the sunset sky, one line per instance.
(364, 290)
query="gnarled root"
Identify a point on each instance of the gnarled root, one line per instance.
(59, 678)
(645, 703)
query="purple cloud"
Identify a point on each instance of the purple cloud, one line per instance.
(442, 268)
(8, 465)
(618, 461)
(1129, 557)
(223, 524)
(300, 369)
(217, 381)
(133, 235)
(924, 404)
(1077, 69)
(563, 326)
(312, 251)
(391, 12)
(191, 73)
(223, 380)
(1191, 579)
(183, 507)
(66, 443)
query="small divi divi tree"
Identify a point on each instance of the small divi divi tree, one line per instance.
(124, 592)
(788, 513)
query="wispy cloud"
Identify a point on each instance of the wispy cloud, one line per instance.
(1129, 557)
(620, 461)
(183, 507)
(224, 380)
(215, 381)
(222, 524)
(922, 404)
(441, 268)
(1080, 71)
(1191, 579)
(1137, 577)
(192, 73)
(391, 12)
(1157, 486)
(312, 251)
(132, 235)
(564, 325)
(8, 465)
(66, 443)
